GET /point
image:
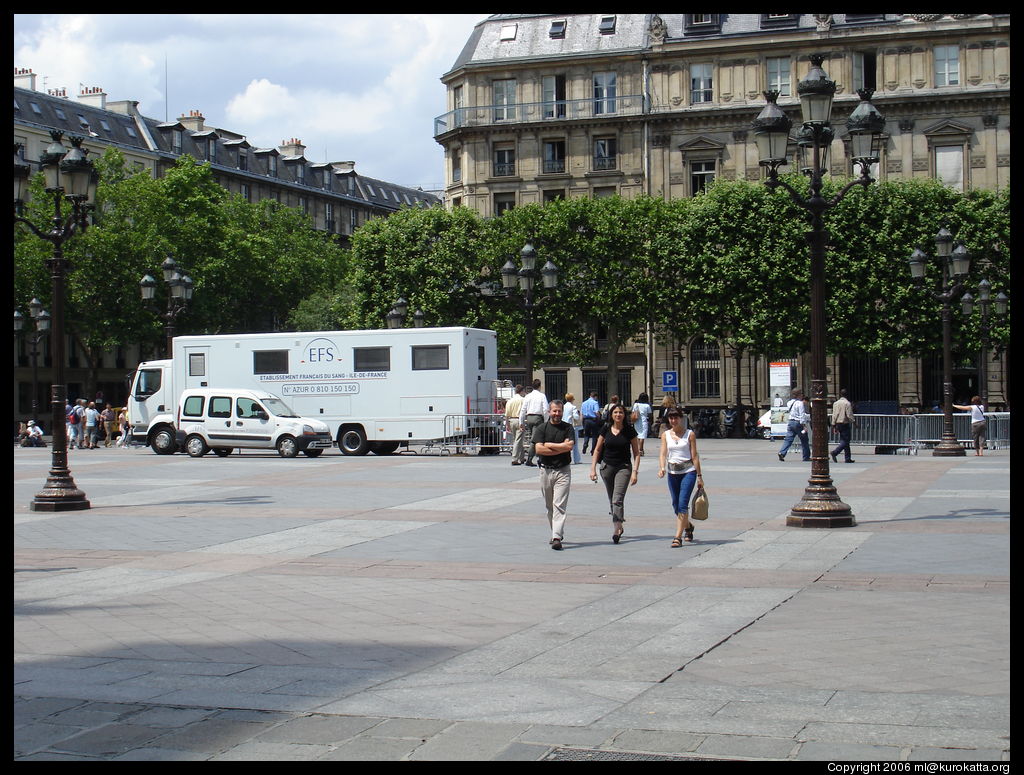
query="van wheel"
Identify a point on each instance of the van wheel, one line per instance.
(384, 447)
(195, 446)
(163, 442)
(222, 451)
(312, 452)
(286, 447)
(352, 441)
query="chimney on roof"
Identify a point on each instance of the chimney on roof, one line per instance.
(344, 166)
(292, 147)
(58, 92)
(94, 96)
(194, 121)
(24, 78)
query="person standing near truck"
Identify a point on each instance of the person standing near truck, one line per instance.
(515, 430)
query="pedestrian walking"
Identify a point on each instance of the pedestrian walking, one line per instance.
(92, 423)
(571, 415)
(512, 425)
(591, 411)
(799, 417)
(616, 444)
(679, 460)
(979, 424)
(553, 442)
(109, 418)
(641, 412)
(661, 425)
(531, 414)
(124, 440)
(843, 422)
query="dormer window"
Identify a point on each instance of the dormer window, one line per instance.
(176, 140)
(777, 20)
(243, 161)
(508, 31)
(211, 150)
(607, 25)
(702, 23)
(272, 165)
(557, 29)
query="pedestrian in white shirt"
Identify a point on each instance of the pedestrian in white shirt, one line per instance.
(531, 414)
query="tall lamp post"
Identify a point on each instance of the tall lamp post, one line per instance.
(519, 283)
(954, 263)
(820, 505)
(42, 321)
(70, 181)
(984, 303)
(178, 298)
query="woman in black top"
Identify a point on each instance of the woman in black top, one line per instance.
(615, 443)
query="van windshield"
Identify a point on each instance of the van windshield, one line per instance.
(278, 408)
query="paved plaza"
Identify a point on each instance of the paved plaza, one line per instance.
(410, 608)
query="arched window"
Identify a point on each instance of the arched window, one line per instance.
(705, 368)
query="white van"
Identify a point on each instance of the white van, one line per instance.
(223, 419)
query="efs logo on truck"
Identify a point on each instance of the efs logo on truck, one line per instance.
(321, 350)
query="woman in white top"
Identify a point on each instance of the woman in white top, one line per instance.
(680, 460)
(978, 422)
(643, 410)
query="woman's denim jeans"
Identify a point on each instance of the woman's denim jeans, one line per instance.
(680, 486)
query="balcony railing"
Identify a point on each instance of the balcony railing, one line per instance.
(554, 165)
(504, 169)
(538, 112)
(605, 162)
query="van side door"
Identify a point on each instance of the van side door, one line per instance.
(253, 424)
(219, 430)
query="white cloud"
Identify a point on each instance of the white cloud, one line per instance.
(350, 86)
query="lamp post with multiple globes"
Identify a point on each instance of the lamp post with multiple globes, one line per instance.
(820, 505)
(70, 181)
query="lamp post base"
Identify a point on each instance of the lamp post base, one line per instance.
(821, 507)
(947, 448)
(60, 494)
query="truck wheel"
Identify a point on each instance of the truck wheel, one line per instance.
(222, 451)
(163, 442)
(195, 446)
(352, 441)
(286, 447)
(312, 452)
(383, 447)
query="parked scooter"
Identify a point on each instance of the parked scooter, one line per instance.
(707, 424)
(729, 422)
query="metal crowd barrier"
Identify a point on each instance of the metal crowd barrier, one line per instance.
(472, 434)
(911, 432)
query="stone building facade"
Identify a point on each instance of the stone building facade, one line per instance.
(542, 106)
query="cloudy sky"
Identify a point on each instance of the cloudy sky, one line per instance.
(360, 87)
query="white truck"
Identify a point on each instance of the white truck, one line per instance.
(374, 389)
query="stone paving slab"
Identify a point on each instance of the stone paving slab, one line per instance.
(226, 609)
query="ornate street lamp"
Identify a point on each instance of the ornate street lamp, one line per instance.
(985, 304)
(70, 181)
(179, 297)
(519, 284)
(955, 264)
(42, 321)
(820, 505)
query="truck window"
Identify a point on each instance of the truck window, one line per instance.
(246, 407)
(148, 382)
(270, 362)
(429, 357)
(371, 359)
(220, 406)
(481, 358)
(197, 364)
(193, 406)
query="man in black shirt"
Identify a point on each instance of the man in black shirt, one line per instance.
(553, 443)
